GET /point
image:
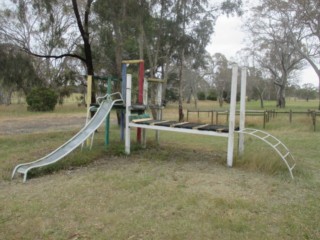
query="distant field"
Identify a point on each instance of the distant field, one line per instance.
(21, 99)
(179, 189)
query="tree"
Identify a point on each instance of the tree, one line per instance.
(194, 25)
(271, 37)
(305, 16)
(165, 33)
(258, 84)
(307, 91)
(222, 76)
(17, 72)
(44, 29)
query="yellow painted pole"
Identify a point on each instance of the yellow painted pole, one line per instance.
(89, 94)
(132, 61)
(89, 91)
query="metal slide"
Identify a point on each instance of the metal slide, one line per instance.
(100, 115)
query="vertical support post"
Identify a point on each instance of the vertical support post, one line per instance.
(127, 115)
(89, 91)
(145, 102)
(124, 82)
(123, 92)
(242, 108)
(145, 92)
(89, 97)
(159, 103)
(217, 117)
(107, 128)
(232, 112)
(141, 80)
(140, 94)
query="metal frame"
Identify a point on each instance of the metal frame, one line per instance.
(266, 137)
(275, 143)
(229, 135)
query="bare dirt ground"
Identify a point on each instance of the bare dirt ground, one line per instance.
(43, 123)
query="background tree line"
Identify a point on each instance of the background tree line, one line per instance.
(55, 43)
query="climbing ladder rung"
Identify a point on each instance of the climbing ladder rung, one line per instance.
(248, 131)
(266, 136)
(286, 155)
(277, 144)
(271, 142)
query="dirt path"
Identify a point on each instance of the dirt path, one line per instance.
(20, 125)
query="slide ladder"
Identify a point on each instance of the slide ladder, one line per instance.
(106, 104)
(275, 143)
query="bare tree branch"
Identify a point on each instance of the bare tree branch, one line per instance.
(55, 56)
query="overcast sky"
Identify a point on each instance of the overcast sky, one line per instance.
(228, 39)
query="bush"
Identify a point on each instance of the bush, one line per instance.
(212, 96)
(171, 95)
(42, 100)
(201, 96)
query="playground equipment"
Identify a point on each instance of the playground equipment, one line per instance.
(140, 91)
(276, 144)
(94, 107)
(106, 104)
(210, 129)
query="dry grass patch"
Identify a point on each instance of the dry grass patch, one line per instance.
(143, 198)
(180, 189)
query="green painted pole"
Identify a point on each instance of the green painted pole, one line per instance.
(107, 129)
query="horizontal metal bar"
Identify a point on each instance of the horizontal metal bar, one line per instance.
(180, 130)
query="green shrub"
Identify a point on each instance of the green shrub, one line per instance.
(42, 100)
(212, 96)
(201, 96)
(172, 95)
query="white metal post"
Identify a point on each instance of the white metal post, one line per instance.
(232, 114)
(145, 92)
(145, 102)
(128, 105)
(159, 103)
(242, 108)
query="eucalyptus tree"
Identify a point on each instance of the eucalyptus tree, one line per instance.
(165, 32)
(194, 24)
(17, 72)
(271, 37)
(51, 29)
(303, 21)
(222, 76)
(309, 16)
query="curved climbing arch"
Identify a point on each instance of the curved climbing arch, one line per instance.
(276, 144)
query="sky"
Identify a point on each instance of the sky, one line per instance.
(228, 39)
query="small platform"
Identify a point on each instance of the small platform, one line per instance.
(185, 125)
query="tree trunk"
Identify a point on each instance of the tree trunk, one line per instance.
(319, 90)
(84, 30)
(180, 110)
(260, 93)
(281, 101)
(261, 101)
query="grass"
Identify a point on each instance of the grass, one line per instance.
(180, 189)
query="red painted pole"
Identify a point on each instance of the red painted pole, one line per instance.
(140, 94)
